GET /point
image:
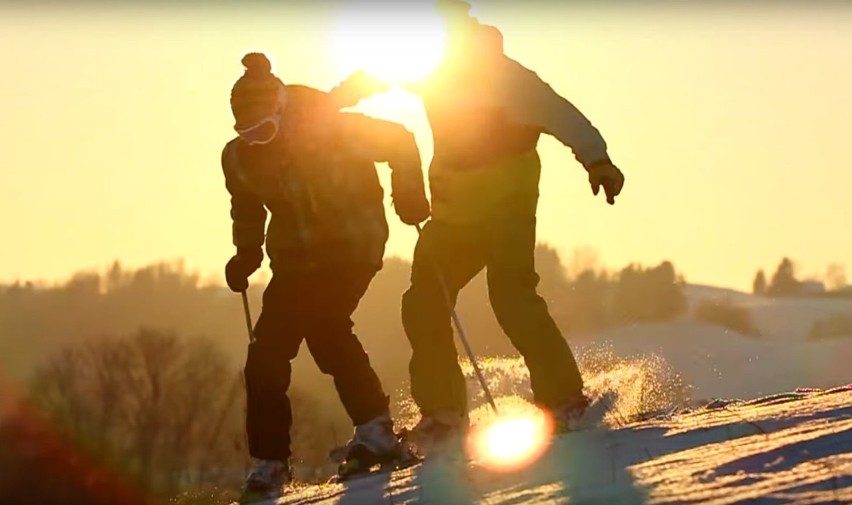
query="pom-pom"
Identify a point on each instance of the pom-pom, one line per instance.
(256, 64)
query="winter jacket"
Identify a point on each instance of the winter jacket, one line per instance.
(485, 164)
(319, 185)
(486, 112)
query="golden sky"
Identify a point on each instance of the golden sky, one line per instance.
(731, 124)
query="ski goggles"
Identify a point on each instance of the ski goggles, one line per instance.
(262, 132)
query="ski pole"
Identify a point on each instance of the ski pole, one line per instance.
(460, 330)
(248, 316)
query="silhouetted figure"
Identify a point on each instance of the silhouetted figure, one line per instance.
(486, 113)
(312, 168)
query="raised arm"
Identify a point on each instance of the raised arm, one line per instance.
(385, 141)
(356, 87)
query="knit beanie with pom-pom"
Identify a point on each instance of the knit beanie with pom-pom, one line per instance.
(258, 93)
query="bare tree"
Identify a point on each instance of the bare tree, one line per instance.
(148, 403)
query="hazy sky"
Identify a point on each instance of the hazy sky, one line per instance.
(731, 124)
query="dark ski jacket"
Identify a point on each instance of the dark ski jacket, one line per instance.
(319, 185)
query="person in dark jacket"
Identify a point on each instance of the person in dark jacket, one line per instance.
(311, 168)
(486, 113)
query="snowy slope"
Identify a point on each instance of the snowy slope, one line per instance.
(787, 448)
(780, 319)
(718, 362)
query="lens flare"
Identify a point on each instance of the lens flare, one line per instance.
(511, 442)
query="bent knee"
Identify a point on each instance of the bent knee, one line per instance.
(505, 296)
(266, 369)
(339, 354)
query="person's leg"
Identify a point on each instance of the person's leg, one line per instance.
(451, 255)
(524, 316)
(328, 306)
(267, 371)
(330, 303)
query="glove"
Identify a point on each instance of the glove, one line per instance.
(604, 173)
(356, 87)
(411, 207)
(240, 267)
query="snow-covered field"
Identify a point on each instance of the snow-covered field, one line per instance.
(786, 448)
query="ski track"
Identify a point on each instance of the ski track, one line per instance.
(786, 448)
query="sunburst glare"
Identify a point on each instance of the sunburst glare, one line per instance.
(398, 45)
(512, 440)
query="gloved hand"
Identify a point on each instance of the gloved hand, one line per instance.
(411, 206)
(604, 173)
(241, 266)
(356, 87)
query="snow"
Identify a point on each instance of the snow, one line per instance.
(721, 363)
(787, 448)
(792, 446)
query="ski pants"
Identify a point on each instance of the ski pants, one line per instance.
(315, 306)
(506, 249)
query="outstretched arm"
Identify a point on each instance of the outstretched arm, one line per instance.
(385, 141)
(356, 87)
(534, 102)
(530, 100)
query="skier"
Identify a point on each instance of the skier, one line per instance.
(312, 168)
(486, 113)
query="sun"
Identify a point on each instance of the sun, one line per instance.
(396, 44)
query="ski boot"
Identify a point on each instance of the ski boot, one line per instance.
(265, 481)
(441, 433)
(581, 413)
(374, 448)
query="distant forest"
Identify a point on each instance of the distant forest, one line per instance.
(38, 320)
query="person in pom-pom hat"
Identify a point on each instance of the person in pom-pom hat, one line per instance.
(312, 169)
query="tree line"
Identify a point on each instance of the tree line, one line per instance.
(785, 282)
